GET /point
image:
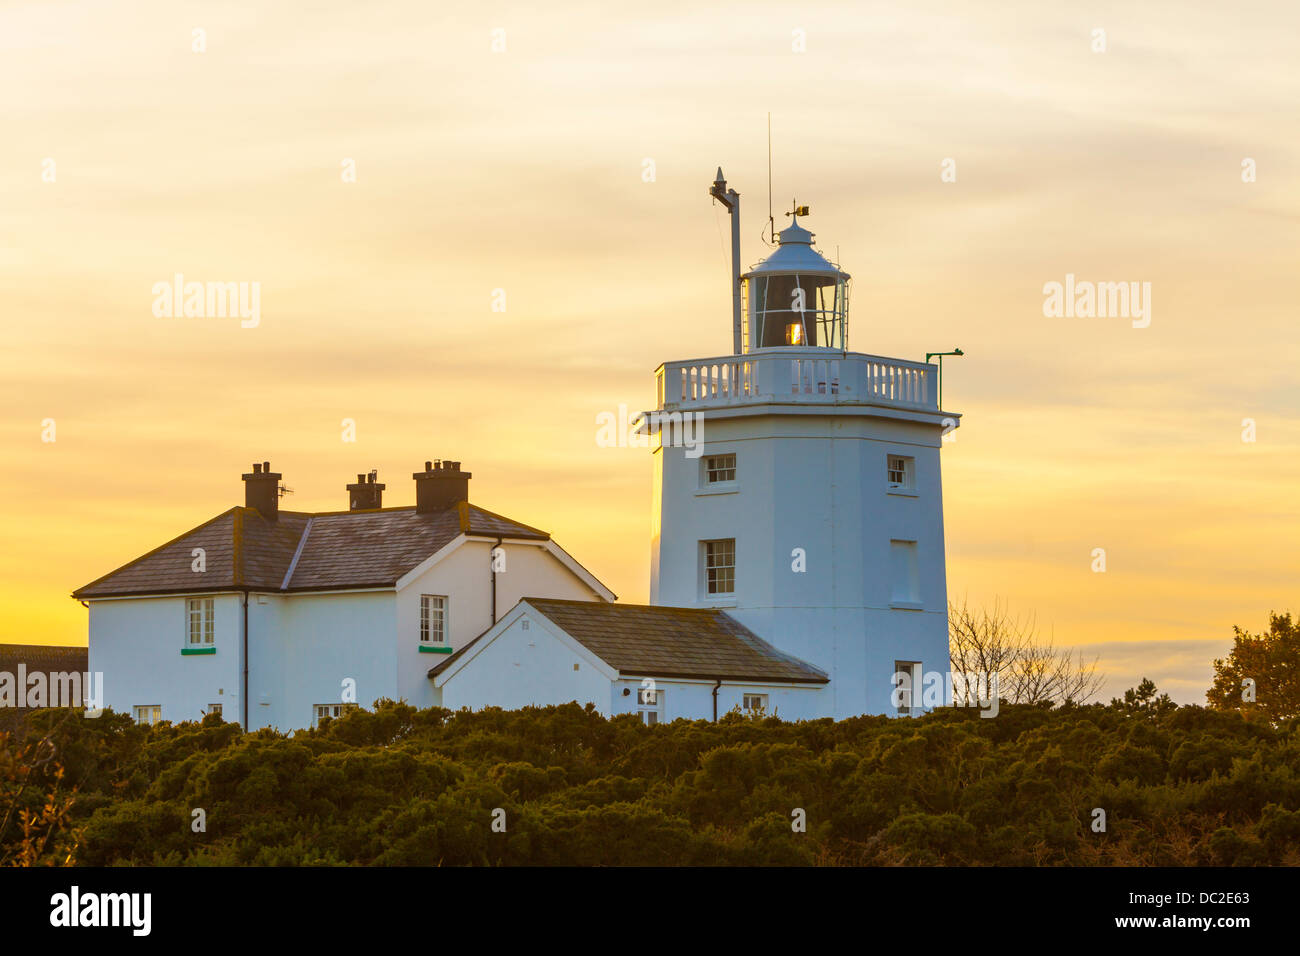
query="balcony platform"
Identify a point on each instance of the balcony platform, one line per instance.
(799, 377)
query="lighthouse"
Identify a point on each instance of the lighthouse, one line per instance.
(811, 507)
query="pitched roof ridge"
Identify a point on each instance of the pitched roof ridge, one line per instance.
(626, 604)
(493, 514)
(166, 544)
(302, 542)
(350, 511)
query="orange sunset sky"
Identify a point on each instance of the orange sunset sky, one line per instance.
(522, 170)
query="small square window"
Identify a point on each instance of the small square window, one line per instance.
(148, 714)
(720, 566)
(433, 619)
(334, 711)
(754, 704)
(719, 468)
(650, 705)
(901, 472)
(214, 709)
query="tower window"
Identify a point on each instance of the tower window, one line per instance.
(906, 693)
(905, 582)
(720, 566)
(718, 468)
(901, 471)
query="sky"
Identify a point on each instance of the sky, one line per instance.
(381, 170)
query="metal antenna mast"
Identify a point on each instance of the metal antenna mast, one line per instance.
(771, 223)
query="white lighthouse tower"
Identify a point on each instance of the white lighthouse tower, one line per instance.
(813, 509)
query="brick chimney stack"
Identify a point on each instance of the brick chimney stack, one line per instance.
(440, 486)
(366, 493)
(262, 490)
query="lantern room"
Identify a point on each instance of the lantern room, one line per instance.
(796, 297)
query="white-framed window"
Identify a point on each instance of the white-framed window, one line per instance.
(433, 619)
(719, 468)
(201, 618)
(148, 714)
(900, 472)
(214, 709)
(320, 711)
(754, 703)
(905, 579)
(906, 686)
(650, 705)
(720, 566)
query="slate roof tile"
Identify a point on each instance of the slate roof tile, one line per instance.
(342, 549)
(641, 640)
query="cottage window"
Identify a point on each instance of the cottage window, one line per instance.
(433, 619)
(650, 705)
(321, 711)
(202, 622)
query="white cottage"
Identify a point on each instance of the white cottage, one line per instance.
(276, 618)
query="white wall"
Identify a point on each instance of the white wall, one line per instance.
(815, 482)
(136, 643)
(693, 699)
(303, 646)
(522, 667)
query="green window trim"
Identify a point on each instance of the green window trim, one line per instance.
(187, 651)
(430, 649)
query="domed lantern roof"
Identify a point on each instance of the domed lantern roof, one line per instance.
(794, 253)
(796, 297)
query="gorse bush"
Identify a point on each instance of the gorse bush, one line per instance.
(399, 786)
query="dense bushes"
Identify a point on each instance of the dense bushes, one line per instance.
(396, 786)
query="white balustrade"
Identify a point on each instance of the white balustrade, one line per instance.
(796, 375)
